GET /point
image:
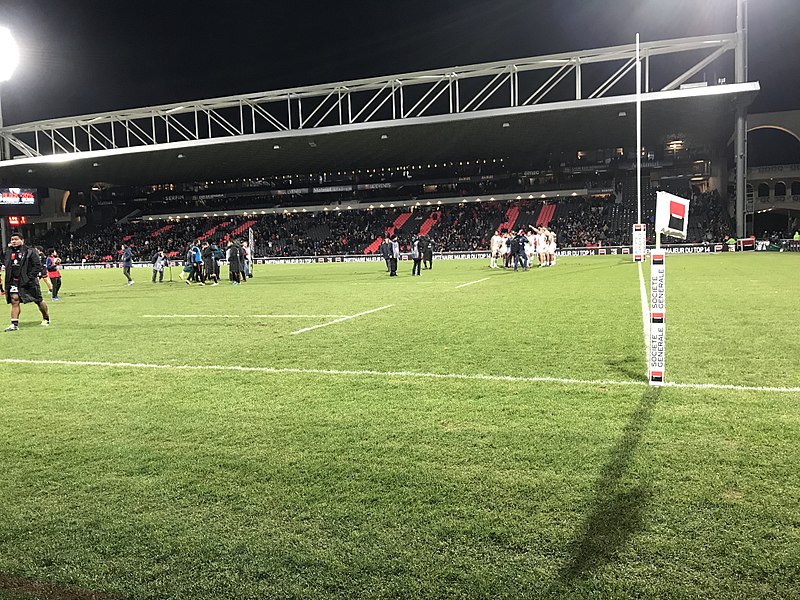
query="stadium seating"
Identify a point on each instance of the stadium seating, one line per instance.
(578, 221)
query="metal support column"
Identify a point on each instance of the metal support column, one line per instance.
(741, 116)
(5, 154)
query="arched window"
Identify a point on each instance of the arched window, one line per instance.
(780, 189)
(796, 188)
(763, 190)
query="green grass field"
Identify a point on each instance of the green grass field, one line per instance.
(407, 452)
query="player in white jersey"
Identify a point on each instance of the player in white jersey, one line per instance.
(541, 246)
(550, 248)
(505, 250)
(530, 247)
(495, 244)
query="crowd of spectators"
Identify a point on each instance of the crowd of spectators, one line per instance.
(589, 223)
(320, 233)
(577, 222)
(708, 218)
(468, 226)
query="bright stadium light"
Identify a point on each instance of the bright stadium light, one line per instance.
(9, 54)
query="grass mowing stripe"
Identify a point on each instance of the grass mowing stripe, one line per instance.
(468, 376)
(645, 315)
(339, 320)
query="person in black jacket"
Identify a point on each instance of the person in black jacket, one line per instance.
(386, 252)
(427, 253)
(218, 256)
(209, 263)
(234, 262)
(23, 267)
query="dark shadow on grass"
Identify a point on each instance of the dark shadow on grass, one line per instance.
(617, 508)
(19, 587)
(627, 366)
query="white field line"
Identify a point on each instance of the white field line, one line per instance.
(241, 316)
(340, 319)
(296, 316)
(337, 372)
(472, 282)
(645, 315)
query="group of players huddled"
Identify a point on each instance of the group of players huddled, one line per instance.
(518, 249)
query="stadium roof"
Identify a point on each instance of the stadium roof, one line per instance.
(701, 116)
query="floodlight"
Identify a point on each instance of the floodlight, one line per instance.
(9, 54)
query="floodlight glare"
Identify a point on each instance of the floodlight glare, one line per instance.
(9, 54)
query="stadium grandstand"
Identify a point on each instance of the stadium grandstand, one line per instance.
(316, 176)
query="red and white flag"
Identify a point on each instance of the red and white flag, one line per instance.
(672, 215)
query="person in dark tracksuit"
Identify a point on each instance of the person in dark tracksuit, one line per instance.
(520, 256)
(218, 256)
(127, 262)
(427, 253)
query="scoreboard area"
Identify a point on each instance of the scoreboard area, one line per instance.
(19, 202)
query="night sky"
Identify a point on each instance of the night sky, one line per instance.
(85, 56)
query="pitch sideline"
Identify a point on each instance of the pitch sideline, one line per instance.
(344, 372)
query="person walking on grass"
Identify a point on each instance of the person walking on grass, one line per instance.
(53, 273)
(416, 256)
(127, 262)
(159, 262)
(23, 268)
(44, 275)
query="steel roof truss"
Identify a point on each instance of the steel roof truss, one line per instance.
(360, 101)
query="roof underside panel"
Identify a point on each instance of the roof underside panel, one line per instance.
(700, 116)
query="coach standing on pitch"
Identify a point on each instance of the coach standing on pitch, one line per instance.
(23, 267)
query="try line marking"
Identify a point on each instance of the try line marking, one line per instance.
(241, 316)
(472, 282)
(340, 319)
(366, 372)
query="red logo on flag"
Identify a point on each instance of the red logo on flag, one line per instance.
(677, 215)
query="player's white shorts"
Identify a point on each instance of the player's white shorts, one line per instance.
(550, 249)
